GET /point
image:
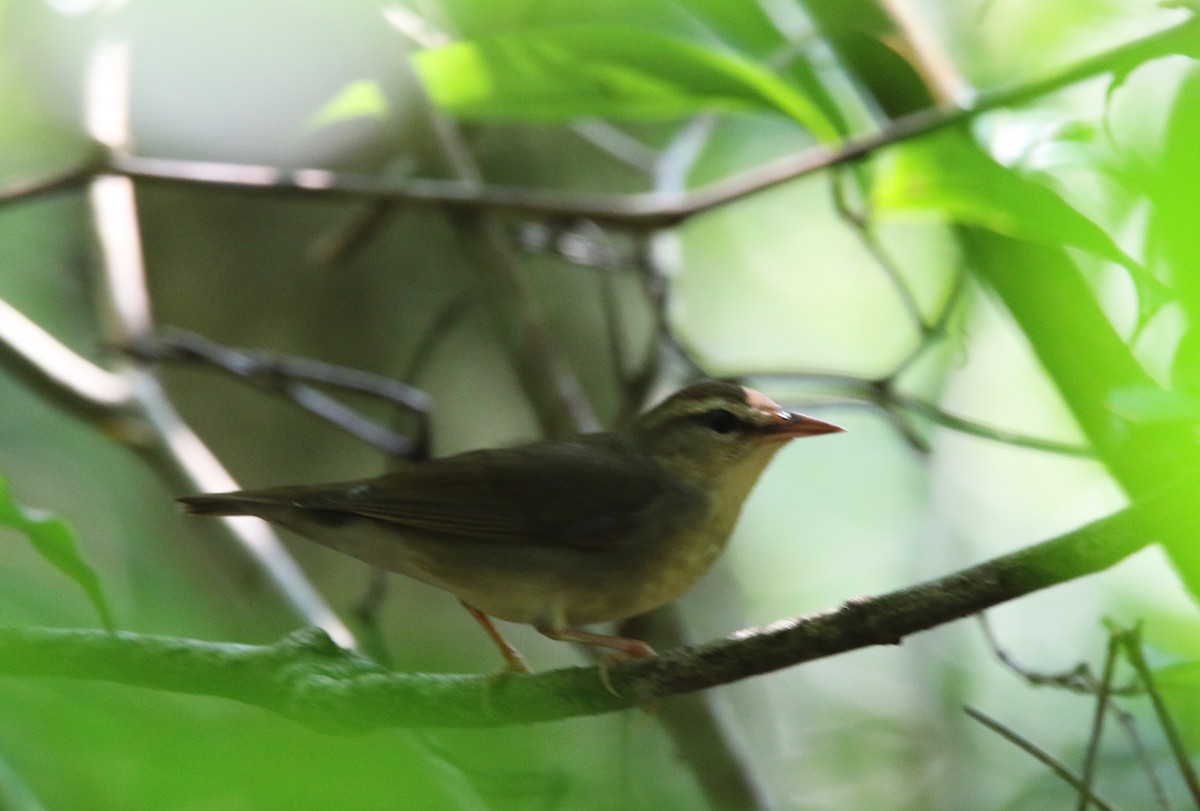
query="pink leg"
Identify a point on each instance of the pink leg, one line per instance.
(516, 662)
(631, 647)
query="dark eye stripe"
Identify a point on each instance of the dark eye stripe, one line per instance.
(721, 420)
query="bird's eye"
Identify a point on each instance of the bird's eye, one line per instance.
(720, 420)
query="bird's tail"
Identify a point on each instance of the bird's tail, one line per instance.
(213, 504)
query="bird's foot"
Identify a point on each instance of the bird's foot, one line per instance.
(623, 655)
(624, 649)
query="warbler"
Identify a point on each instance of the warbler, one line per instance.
(555, 534)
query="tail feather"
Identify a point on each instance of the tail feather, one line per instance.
(213, 504)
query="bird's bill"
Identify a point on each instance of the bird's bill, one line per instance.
(787, 424)
(791, 425)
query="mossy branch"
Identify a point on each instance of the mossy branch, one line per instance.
(309, 679)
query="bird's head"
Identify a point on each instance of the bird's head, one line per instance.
(714, 432)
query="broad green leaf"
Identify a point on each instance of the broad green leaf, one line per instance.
(553, 75)
(54, 540)
(801, 72)
(950, 174)
(361, 99)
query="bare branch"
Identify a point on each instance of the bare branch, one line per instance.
(647, 210)
(286, 376)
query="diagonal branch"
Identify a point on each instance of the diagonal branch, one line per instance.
(59, 374)
(309, 679)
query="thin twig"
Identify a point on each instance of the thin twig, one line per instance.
(937, 329)
(282, 375)
(652, 258)
(984, 431)
(1132, 642)
(676, 161)
(614, 326)
(580, 242)
(906, 427)
(880, 394)
(266, 369)
(722, 766)
(349, 235)
(1129, 725)
(641, 375)
(1041, 755)
(1102, 707)
(352, 233)
(861, 226)
(1078, 679)
(442, 322)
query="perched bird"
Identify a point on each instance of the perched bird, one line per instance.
(555, 534)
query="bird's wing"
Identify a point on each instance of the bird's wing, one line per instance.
(572, 494)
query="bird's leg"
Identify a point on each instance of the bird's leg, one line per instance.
(634, 648)
(516, 662)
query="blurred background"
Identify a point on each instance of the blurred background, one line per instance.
(999, 312)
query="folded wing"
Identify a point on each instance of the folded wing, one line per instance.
(580, 494)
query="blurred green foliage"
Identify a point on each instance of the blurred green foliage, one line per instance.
(1059, 334)
(558, 74)
(55, 541)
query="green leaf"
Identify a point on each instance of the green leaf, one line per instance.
(949, 173)
(802, 73)
(554, 75)
(1170, 182)
(55, 541)
(361, 99)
